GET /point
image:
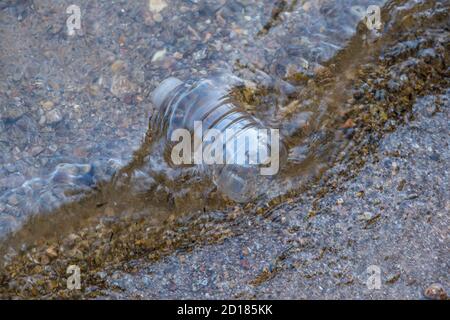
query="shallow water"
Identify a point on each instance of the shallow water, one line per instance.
(81, 104)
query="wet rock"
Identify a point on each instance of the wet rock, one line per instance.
(117, 66)
(44, 260)
(393, 85)
(14, 200)
(10, 167)
(121, 86)
(76, 254)
(17, 76)
(51, 252)
(366, 216)
(436, 291)
(158, 17)
(159, 55)
(53, 117)
(157, 6)
(11, 112)
(47, 105)
(427, 54)
(380, 95)
(71, 240)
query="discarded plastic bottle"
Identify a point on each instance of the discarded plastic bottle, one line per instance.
(235, 149)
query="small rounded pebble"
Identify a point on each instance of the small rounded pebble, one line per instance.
(435, 292)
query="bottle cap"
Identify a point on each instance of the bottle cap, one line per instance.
(163, 90)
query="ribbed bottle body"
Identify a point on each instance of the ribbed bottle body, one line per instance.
(231, 145)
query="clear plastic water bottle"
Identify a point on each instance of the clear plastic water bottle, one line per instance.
(251, 153)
